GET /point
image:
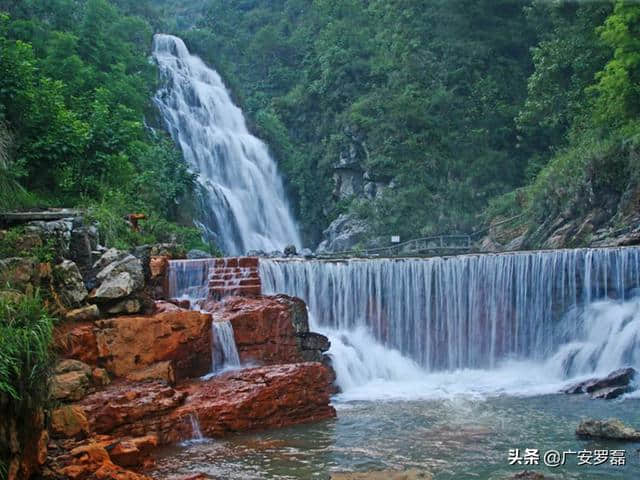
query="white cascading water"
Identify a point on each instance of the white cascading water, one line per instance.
(242, 198)
(228, 358)
(521, 323)
(189, 280)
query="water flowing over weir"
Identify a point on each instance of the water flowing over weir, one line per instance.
(569, 312)
(242, 198)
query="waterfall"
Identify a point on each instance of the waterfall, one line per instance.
(243, 205)
(189, 279)
(544, 316)
(225, 356)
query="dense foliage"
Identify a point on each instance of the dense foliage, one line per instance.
(454, 102)
(468, 109)
(75, 88)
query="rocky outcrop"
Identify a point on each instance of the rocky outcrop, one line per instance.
(612, 429)
(527, 475)
(258, 398)
(343, 234)
(613, 385)
(19, 272)
(250, 399)
(118, 280)
(134, 343)
(69, 284)
(74, 380)
(93, 459)
(83, 314)
(412, 474)
(270, 330)
(77, 341)
(124, 404)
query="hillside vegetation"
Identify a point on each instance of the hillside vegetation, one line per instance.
(75, 93)
(461, 112)
(469, 109)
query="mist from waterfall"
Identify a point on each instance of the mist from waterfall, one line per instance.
(520, 323)
(242, 201)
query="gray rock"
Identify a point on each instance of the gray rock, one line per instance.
(70, 386)
(58, 232)
(197, 254)
(126, 306)
(108, 257)
(66, 366)
(275, 254)
(69, 284)
(18, 272)
(613, 385)
(612, 429)
(256, 253)
(307, 253)
(83, 314)
(130, 265)
(117, 286)
(314, 341)
(290, 251)
(610, 393)
(343, 234)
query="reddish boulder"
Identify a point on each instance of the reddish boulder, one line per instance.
(123, 403)
(90, 461)
(269, 330)
(128, 344)
(256, 398)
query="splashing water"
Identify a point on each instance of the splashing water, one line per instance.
(243, 205)
(522, 324)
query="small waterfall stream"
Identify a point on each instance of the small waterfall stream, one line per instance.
(243, 205)
(225, 356)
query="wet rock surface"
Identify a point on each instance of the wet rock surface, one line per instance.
(612, 386)
(270, 330)
(131, 343)
(612, 429)
(412, 474)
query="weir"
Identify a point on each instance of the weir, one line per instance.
(471, 311)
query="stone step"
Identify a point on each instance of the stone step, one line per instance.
(235, 282)
(220, 292)
(231, 276)
(243, 262)
(234, 269)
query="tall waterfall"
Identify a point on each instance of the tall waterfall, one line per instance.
(561, 314)
(241, 194)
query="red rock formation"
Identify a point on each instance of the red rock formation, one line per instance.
(259, 398)
(77, 341)
(269, 330)
(129, 344)
(125, 403)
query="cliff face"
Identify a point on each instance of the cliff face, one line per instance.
(601, 209)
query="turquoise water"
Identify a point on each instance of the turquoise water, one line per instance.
(456, 438)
